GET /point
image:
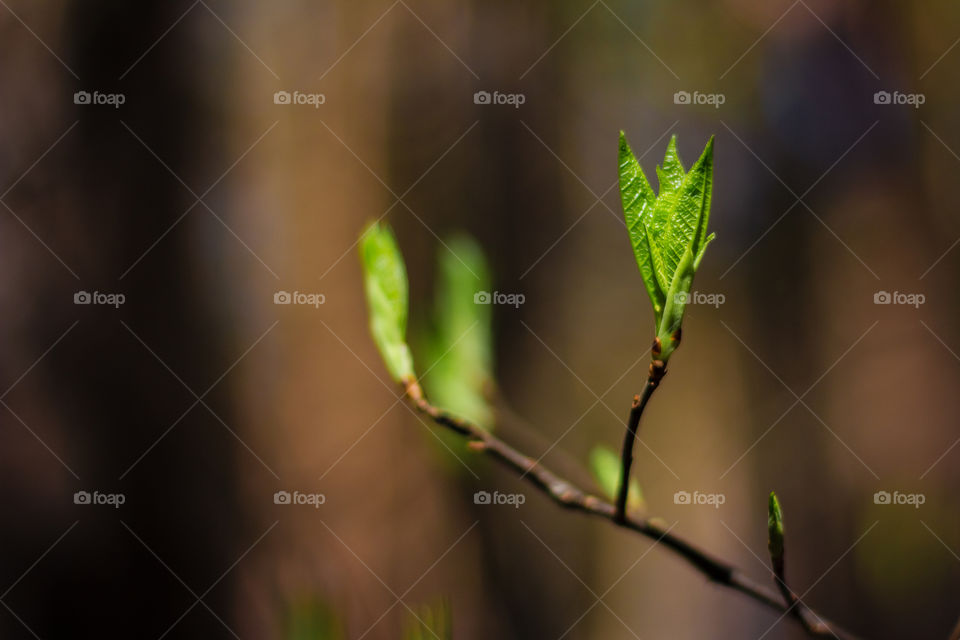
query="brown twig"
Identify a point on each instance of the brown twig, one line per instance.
(657, 371)
(569, 496)
(809, 620)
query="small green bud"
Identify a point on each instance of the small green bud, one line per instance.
(775, 529)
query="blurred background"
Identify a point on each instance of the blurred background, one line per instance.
(158, 192)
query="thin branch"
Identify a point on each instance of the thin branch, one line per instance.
(807, 619)
(569, 496)
(633, 425)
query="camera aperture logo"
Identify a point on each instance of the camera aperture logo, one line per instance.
(912, 299)
(699, 498)
(308, 299)
(712, 99)
(512, 499)
(298, 97)
(496, 297)
(297, 498)
(97, 98)
(912, 99)
(109, 299)
(698, 297)
(896, 498)
(512, 99)
(111, 499)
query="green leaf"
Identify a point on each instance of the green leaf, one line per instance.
(686, 225)
(431, 622)
(669, 330)
(670, 177)
(774, 529)
(605, 464)
(385, 281)
(312, 619)
(703, 249)
(669, 236)
(460, 353)
(671, 173)
(638, 200)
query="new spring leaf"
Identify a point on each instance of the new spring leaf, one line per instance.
(668, 230)
(385, 282)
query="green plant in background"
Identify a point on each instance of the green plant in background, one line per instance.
(431, 622)
(460, 372)
(313, 619)
(605, 465)
(668, 232)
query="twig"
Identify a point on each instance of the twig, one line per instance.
(633, 425)
(807, 619)
(569, 496)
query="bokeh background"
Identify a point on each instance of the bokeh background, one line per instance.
(198, 198)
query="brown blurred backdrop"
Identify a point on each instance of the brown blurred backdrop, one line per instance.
(198, 398)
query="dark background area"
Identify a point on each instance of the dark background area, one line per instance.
(198, 398)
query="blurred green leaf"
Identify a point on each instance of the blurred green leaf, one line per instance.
(312, 620)
(460, 351)
(774, 528)
(668, 232)
(385, 281)
(605, 465)
(431, 622)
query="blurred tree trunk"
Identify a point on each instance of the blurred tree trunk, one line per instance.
(99, 399)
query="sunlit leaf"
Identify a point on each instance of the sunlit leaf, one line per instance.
(460, 358)
(385, 281)
(668, 231)
(670, 177)
(686, 225)
(638, 200)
